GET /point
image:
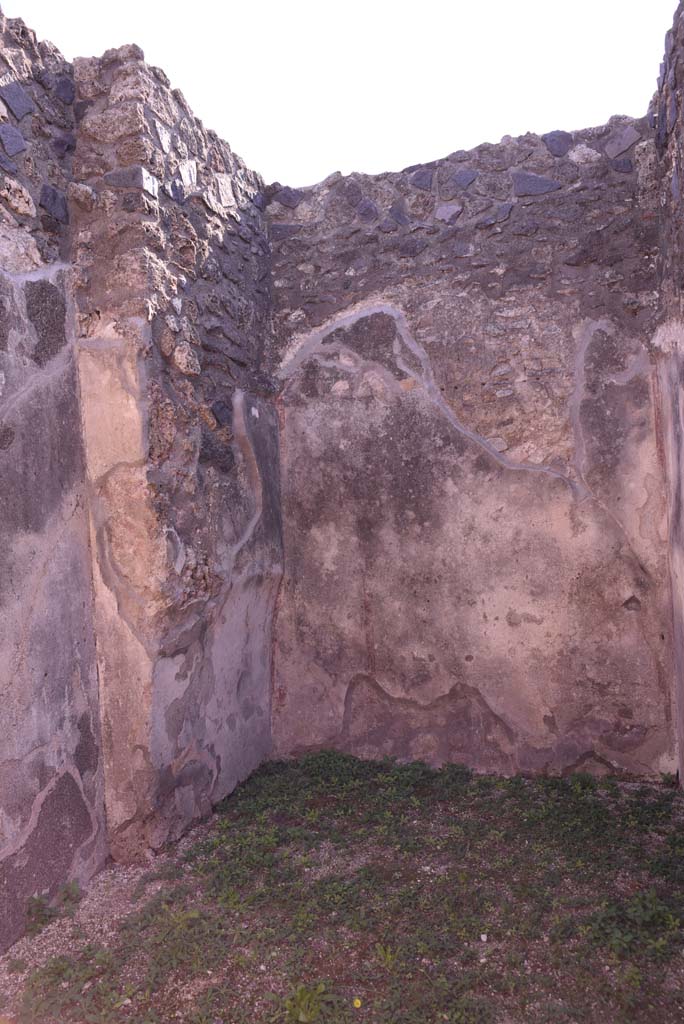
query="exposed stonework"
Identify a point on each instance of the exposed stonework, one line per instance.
(667, 120)
(458, 388)
(51, 781)
(181, 448)
(474, 509)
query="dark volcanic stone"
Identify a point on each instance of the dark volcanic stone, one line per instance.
(55, 203)
(399, 213)
(621, 140)
(497, 216)
(352, 193)
(64, 144)
(290, 197)
(86, 755)
(216, 451)
(672, 112)
(134, 176)
(279, 231)
(527, 184)
(461, 250)
(5, 324)
(46, 310)
(65, 90)
(422, 179)
(412, 246)
(223, 413)
(12, 140)
(17, 99)
(260, 201)
(462, 178)
(63, 825)
(623, 164)
(80, 109)
(367, 210)
(557, 143)
(7, 165)
(175, 189)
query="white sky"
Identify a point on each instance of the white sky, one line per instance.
(301, 88)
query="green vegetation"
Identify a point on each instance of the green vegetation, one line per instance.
(41, 910)
(334, 890)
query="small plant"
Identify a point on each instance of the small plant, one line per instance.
(631, 980)
(39, 914)
(41, 910)
(643, 924)
(386, 955)
(469, 1010)
(68, 898)
(307, 1004)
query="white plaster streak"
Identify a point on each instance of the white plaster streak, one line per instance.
(22, 837)
(58, 366)
(48, 272)
(303, 345)
(252, 468)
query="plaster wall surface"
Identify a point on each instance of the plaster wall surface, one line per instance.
(51, 783)
(181, 449)
(474, 506)
(138, 468)
(668, 340)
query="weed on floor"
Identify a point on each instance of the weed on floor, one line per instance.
(336, 890)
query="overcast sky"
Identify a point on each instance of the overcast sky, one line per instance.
(306, 87)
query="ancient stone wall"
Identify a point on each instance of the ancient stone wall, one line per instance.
(51, 802)
(138, 468)
(181, 445)
(474, 510)
(458, 387)
(667, 119)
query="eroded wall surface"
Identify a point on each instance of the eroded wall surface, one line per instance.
(439, 405)
(668, 340)
(51, 804)
(474, 509)
(181, 448)
(139, 487)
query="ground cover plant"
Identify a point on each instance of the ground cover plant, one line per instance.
(336, 890)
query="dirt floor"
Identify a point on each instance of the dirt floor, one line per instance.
(342, 891)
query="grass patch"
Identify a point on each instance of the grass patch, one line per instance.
(337, 890)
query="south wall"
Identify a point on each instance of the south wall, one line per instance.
(473, 500)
